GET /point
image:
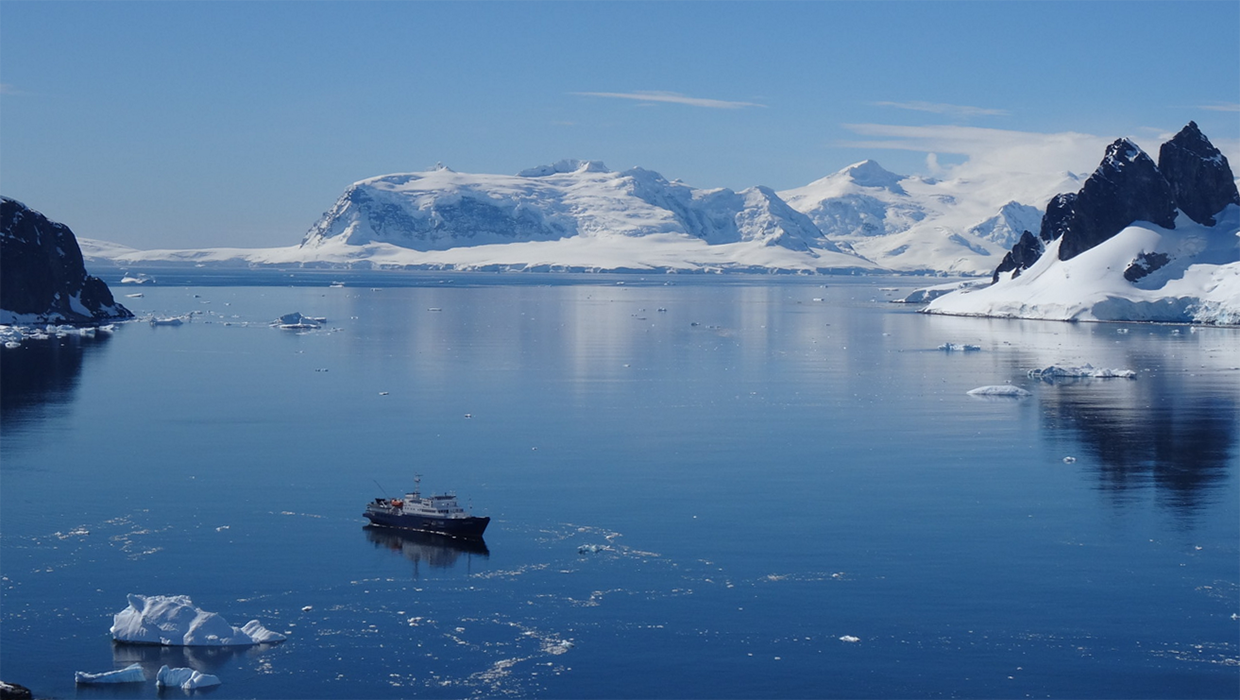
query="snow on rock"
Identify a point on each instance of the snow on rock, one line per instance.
(184, 678)
(1003, 390)
(130, 674)
(1054, 372)
(175, 621)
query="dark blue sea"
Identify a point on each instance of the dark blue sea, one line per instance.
(700, 487)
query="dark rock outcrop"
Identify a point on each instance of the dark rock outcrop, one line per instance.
(1199, 174)
(13, 691)
(42, 275)
(1025, 253)
(1126, 187)
(1191, 176)
(1144, 264)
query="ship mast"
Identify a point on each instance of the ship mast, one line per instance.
(417, 485)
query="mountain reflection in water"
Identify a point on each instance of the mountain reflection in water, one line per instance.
(1149, 432)
(436, 551)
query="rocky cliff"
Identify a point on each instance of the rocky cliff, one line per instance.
(1192, 176)
(42, 276)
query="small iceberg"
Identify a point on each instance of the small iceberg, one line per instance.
(297, 322)
(958, 347)
(184, 678)
(175, 621)
(1084, 371)
(166, 320)
(130, 674)
(1002, 390)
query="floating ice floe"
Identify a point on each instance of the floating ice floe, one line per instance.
(958, 347)
(130, 674)
(1056, 372)
(184, 678)
(591, 548)
(166, 320)
(1006, 390)
(850, 639)
(175, 621)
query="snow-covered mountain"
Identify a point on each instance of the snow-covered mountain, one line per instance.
(917, 224)
(1138, 241)
(572, 205)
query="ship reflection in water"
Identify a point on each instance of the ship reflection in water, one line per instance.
(435, 551)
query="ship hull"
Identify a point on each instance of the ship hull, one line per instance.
(453, 527)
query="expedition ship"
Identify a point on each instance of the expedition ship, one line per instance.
(440, 514)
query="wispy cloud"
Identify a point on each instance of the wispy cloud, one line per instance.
(988, 150)
(672, 97)
(1221, 107)
(951, 110)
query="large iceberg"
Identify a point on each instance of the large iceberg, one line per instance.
(175, 621)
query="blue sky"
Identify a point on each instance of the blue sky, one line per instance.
(188, 124)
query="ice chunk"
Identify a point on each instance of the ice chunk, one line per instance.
(130, 674)
(175, 621)
(296, 321)
(850, 639)
(999, 390)
(958, 347)
(1056, 372)
(184, 678)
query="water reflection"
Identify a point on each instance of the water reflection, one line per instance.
(204, 659)
(436, 551)
(42, 373)
(1151, 432)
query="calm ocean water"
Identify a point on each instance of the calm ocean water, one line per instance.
(792, 493)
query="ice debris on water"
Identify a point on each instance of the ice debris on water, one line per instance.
(850, 639)
(1056, 372)
(959, 347)
(591, 548)
(1005, 390)
(184, 678)
(130, 674)
(175, 621)
(1069, 460)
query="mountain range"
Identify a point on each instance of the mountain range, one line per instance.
(579, 215)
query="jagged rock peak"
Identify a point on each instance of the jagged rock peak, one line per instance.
(1199, 174)
(1023, 255)
(565, 166)
(1126, 187)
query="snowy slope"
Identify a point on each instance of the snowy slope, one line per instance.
(913, 224)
